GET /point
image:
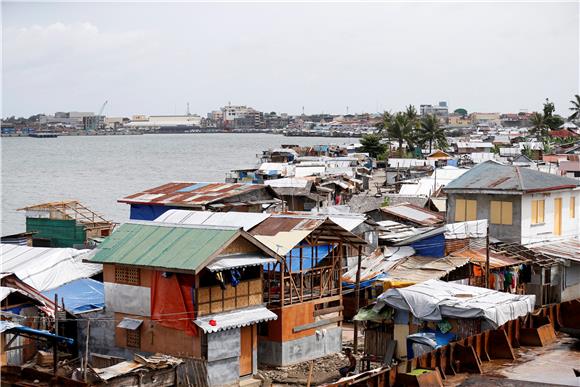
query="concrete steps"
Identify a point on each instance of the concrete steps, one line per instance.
(250, 382)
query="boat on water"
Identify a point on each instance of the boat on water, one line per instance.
(43, 135)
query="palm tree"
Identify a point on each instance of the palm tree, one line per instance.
(385, 122)
(430, 131)
(400, 129)
(539, 127)
(411, 113)
(575, 108)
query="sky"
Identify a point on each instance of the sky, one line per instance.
(153, 58)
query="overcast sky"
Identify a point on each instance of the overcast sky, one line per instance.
(154, 58)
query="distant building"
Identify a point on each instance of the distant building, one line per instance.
(439, 110)
(485, 118)
(169, 123)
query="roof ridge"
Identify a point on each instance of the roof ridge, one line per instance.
(520, 180)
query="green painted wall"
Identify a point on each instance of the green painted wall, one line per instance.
(62, 233)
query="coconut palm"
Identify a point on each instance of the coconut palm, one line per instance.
(539, 127)
(430, 131)
(385, 122)
(575, 108)
(400, 129)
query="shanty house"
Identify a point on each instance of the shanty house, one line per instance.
(522, 205)
(305, 288)
(298, 194)
(188, 291)
(223, 197)
(64, 224)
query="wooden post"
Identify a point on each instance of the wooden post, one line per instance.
(310, 373)
(356, 298)
(55, 342)
(487, 256)
(87, 349)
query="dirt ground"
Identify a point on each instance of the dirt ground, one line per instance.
(324, 370)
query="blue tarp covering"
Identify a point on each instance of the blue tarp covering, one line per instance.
(430, 247)
(10, 327)
(80, 296)
(452, 162)
(147, 212)
(434, 339)
(307, 254)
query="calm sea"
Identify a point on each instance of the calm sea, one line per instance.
(99, 170)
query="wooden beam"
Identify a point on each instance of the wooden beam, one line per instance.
(334, 309)
(316, 324)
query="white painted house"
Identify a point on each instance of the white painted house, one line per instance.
(522, 205)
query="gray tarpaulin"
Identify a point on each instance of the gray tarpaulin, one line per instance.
(433, 300)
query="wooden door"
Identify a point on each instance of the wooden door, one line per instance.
(246, 350)
(558, 216)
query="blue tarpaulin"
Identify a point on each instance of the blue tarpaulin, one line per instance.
(307, 257)
(429, 337)
(80, 296)
(147, 212)
(10, 327)
(430, 247)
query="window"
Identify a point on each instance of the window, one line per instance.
(501, 212)
(572, 207)
(133, 338)
(127, 275)
(537, 211)
(465, 210)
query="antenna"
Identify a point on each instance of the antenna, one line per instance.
(188, 113)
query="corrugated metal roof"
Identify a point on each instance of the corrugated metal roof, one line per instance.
(234, 319)
(193, 194)
(491, 175)
(46, 268)
(378, 262)
(420, 269)
(420, 216)
(496, 260)
(226, 262)
(289, 182)
(174, 247)
(245, 220)
(565, 249)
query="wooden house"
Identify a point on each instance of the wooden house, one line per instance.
(188, 291)
(305, 288)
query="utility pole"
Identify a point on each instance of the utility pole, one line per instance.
(55, 341)
(487, 256)
(356, 298)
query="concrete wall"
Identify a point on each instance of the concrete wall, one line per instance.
(571, 282)
(506, 233)
(223, 357)
(324, 342)
(545, 231)
(101, 335)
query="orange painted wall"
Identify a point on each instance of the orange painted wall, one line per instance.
(290, 317)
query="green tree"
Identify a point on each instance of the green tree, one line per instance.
(371, 144)
(400, 129)
(539, 128)
(385, 122)
(552, 121)
(575, 108)
(432, 133)
(461, 111)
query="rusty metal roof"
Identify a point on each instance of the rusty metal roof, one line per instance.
(492, 175)
(417, 215)
(496, 259)
(565, 249)
(286, 230)
(191, 194)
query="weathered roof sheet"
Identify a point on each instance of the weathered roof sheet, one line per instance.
(175, 247)
(420, 216)
(496, 259)
(193, 194)
(565, 249)
(378, 262)
(46, 268)
(233, 261)
(234, 319)
(245, 220)
(420, 269)
(494, 176)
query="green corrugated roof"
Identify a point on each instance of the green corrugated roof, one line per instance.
(169, 247)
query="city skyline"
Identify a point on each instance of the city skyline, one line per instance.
(281, 57)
